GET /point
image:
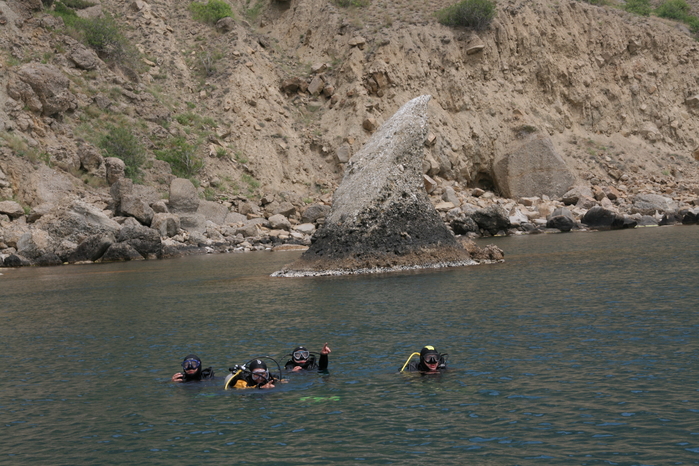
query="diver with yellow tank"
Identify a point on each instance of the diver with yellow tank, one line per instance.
(431, 361)
(253, 374)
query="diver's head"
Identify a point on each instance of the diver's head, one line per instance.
(429, 357)
(300, 354)
(259, 371)
(191, 365)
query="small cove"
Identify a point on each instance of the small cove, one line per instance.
(579, 349)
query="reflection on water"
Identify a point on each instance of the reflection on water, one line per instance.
(580, 349)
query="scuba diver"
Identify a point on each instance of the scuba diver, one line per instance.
(304, 360)
(253, 374)
(192, 371)
(431, 362)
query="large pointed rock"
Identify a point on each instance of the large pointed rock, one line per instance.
(381, 218)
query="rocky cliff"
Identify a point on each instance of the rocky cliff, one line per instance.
(277, 100)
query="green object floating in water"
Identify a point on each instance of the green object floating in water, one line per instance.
(318, 399)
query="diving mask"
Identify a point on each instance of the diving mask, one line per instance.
(189, 364)
(260, 374)
(431, 359)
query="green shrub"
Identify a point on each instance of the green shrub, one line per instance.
(673, 9)
(122, 143)
(77, 4)
(693, 23)
(68, 14)
(210, 12)
(103, 35)
(354, 3)
(182, 157)
(474, 14)
(639, 7)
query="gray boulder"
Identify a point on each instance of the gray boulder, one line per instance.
(83, 57)
(133, 206)
(463, 225)
(47, 260)
(648, 204)
(183, 197)
(604, 219)
(670, 218)
(143, 239)
(11, 209)
(213, 211)
(313, 212)
(623, 222)
(690, 217)
(279, 222)
(160, 207)
(167, 225)
(115, 169)
(381, 218)
(249, 229)
(34, 244)
(193, 223)
(492, 219)
(39, 211)
(120, 252)
(118, 190)
(284, 208)
(235, 217)
(561, 222)
(573, 196)
(92, 248)
(449, 195)
(532, 168)
(91, 160)
(43, 88)
(76, 221)
(16, 260)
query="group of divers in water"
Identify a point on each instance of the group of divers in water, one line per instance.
(256, 374)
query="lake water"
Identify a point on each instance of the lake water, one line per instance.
(581, 348)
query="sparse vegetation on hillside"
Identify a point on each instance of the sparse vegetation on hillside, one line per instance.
(122, 143)
(182, 157)
(101, 34)
(639, 7)
(474, 14)
(352, 3)
(678, 10)
(210, 12)
(77, 4)
(673, 9)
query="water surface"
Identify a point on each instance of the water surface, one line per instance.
(580, 349)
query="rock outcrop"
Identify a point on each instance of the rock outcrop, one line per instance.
(381, 218)
(532, 168)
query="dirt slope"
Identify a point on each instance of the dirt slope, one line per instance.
(611, 90)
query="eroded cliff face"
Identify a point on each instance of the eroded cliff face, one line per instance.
(613, 91)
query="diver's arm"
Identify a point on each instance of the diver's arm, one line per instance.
(178, 377)
(323, 364)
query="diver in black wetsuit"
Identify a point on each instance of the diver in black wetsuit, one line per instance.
(303, 360)
(255, 375)
(431, 362)
(192, 371)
